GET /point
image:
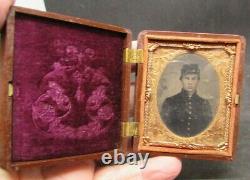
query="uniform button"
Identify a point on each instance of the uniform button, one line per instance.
(189, 112)
(189, 123)
(188, 129)
(189, 102)
(189, 117)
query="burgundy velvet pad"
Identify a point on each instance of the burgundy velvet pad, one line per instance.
(67, 89)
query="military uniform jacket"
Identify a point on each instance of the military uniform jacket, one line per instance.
(184, 115)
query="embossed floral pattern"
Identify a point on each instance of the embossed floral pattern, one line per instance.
(69, 110)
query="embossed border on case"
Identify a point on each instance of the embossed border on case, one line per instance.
(219, 139)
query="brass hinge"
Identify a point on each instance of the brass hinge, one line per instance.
(133, 55)
(10, 89)
(237, 99)
(130, 129)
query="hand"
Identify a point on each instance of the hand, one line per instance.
(162, 168)
(4, 8)
(156, 168)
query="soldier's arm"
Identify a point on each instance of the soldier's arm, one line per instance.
(165, 110)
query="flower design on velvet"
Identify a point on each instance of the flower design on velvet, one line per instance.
(96, 99)
(99, 78)
(90, 53)
(50, 105)
(75, 100)
(105, 112)
(98, 104)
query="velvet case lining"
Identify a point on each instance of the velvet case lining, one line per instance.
(67, 89)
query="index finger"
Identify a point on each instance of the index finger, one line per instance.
(4, 9)
(161, 167)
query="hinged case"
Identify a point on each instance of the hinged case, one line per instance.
(65, 91)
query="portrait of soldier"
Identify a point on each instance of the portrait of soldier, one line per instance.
(186, 113)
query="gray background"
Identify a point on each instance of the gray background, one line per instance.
(216, 16)
(170, 84)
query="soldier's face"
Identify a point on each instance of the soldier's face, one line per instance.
(190, 82)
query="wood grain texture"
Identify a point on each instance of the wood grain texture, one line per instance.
(5, 78)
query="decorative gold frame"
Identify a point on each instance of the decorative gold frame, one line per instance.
(224, 53)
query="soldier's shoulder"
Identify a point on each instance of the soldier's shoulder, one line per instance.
(203, 100)
(172, 98)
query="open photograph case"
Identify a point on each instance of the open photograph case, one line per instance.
(65, 91)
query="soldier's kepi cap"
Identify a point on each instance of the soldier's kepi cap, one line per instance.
(190, 69)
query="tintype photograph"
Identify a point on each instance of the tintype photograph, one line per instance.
(187, 95)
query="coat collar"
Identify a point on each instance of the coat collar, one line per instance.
(185, 95)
